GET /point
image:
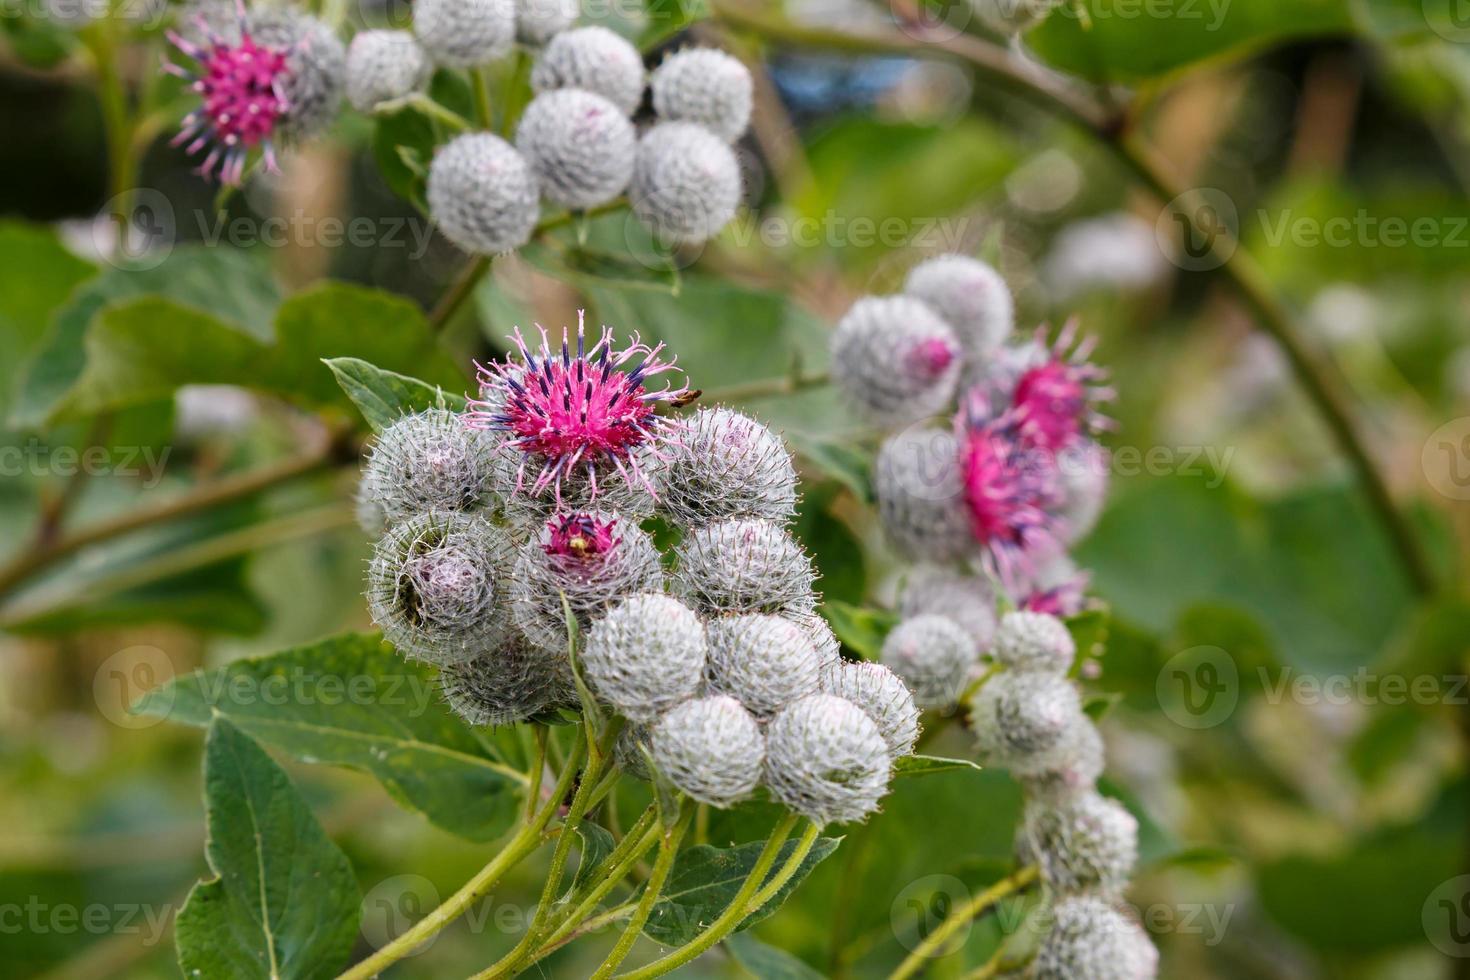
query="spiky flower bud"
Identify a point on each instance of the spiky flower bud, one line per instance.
(505, 685)
(880, 693)
(1070, 766)
(1085, 843)
(1090, 938)
(436, 587)
(591, 560)
(384, 65)
(1020, 715)
(1032, 641)
(764, 662)
(579, 145)
(895, 360)
(711, 748)
(970, 296)
(645, 655)
(527, 509)
(726, 464)
(686, 183)
(482, 194)
(594, 59)
(966, 599)
(744, 566)
(538, 21)
(430, 461)
(628, 751)
(934, 656)
(920, 492)
(465, 33)
(828, 647)
(826, 759)
(705, 86)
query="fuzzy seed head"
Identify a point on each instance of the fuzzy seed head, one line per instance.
(1033, 641)
(764, 662)
(826, 759)
(895, 360)
(711, 748)
(593, 560)
(920, 492)
(580, 146)
(384, 65)
(482, 194)
(538, 21)
(880, 693)
(1085, 843)
(465, 33)
(1019, 716)
(505, 685)
(934, 657)
(704, 86)
(436, 587)
(430, 461)
(744, 566)
(593, 59)
(970, 296)
(686, 183)
(968, 600)
(726, 465)
(1090, 938)
(645, 655)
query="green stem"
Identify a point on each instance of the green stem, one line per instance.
(641, 836)
(668, 849)
(484, 111)
(526, 840)
(751, 897)
(960, 917)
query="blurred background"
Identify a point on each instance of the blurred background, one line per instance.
(1291, 714)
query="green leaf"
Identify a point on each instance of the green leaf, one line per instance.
(848, 465)
(1089, 630)
(705, 879)
(403, 146)
(597, 844)
(37, 274)
(579, 263)
(766, 962)
(860, 628)
(284, 902)
(353, 701)
(1097, 704)
(385, 396)
(925, 765)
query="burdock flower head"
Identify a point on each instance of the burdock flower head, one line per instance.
(578, 416)
(270, 76)
(1056, 400)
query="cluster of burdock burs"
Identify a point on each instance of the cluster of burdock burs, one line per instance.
(519, 523)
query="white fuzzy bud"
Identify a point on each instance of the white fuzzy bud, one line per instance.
(1092, 939)
(1019, 718)
(744, 566)
(970, 296)
(384, 65)
(579, 145)
(430, 461)
(437, 589)
(505, 685)
(538, 21)
(686, 183)
(895, 360)
(594, 59)
(482, 194)
(1070, 766)
(966, 599)
(829, 648)
(705, 86)
(646, 655)
(826, 759)
(1084, 843)
(933, 656)
(316, 69)
(725, 464)
(465, 33)
(885, 698)
(920, 492)
(1031, 641)
(711, 748)
(764, 662)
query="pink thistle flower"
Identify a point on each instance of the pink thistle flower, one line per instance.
(578, 415)
(1064, 599)
(241, 85)
(1055, 401)
(578, 537)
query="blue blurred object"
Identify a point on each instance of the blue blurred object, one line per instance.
(818, 85)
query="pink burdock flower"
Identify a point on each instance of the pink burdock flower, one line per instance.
(1055, 401)
(576, 537)
(1063, 599)
(577, 416)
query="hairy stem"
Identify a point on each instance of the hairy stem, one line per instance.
(668, 849)
(640, 838)
(961, 917)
